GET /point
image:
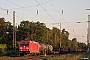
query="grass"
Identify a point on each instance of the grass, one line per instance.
(69, 57)
(86, 55)
(74, 56)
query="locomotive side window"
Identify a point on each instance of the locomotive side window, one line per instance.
(24, 43)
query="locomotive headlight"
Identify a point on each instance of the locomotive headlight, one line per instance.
(27, 48)
(20, 47)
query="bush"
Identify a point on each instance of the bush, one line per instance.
(12, 53)
(3, 48)
(1, 52)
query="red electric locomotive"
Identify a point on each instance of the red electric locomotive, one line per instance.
(27, 46)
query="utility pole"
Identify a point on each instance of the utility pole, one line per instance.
(14, 32)
(88, 35)
(60, 34)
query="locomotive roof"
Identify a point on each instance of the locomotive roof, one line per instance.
(28, 41)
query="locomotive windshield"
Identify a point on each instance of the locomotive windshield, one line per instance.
(24, 43)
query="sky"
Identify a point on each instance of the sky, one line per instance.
(50, 12)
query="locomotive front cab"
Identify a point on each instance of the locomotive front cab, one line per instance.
(24, 47)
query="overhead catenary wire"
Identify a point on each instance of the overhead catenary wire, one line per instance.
(13, 3)
(46, 11)
(17, 8)
(25, 6)
(59, 11)
(63, 10)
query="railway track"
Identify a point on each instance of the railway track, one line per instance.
(68, 56)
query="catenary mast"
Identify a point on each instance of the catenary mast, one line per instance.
(14, 31)
(88, 34)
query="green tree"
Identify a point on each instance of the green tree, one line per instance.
(9, 35)
(2, 30)
(33, 31)
(6, 33)
(56, 36)
(23, 30)
(49, 37)
(65, 36)
(74, 44)
(82, 46)
(37, 31)
(41, 32)
(69, 44)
